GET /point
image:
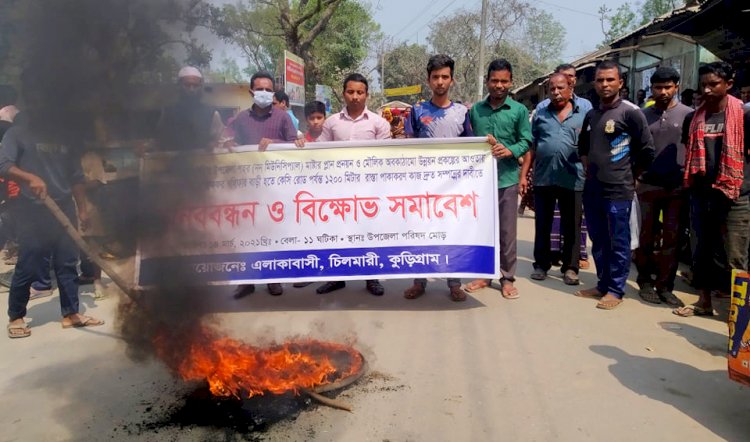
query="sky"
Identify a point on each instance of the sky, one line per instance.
(408, 20)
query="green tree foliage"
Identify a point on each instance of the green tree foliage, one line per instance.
(331, 36)
(405, 65)
(629, 16)
(527, 37)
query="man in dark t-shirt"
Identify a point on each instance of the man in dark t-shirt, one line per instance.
(660, 192)
(614, 145)
(718, 175)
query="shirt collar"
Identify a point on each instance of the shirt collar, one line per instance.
(617, 102)
(576, 107)
(252, 112)
(506, 104)
(345, 115)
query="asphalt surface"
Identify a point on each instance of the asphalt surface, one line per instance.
(547, 366)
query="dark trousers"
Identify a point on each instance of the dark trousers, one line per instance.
(452, 282)
(570, 204)
(722, 229)
(507, 201)
(609, 229)
(659, 259)
(41, 236)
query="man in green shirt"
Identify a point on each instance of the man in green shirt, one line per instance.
(506, 124)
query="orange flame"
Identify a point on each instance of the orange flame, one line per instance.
(233, 368)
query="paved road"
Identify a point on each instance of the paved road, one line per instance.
(548, 366)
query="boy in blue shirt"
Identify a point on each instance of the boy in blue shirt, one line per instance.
(438, 118)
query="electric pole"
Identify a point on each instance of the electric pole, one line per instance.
(482, 35)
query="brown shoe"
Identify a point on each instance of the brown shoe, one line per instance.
(584, 264)
(458, 294)
(414, 291)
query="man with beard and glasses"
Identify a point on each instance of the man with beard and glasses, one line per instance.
(262, 124)
(717, 173)
(614, 146)
(660, 192)
(189, 124)
(505, 122)
(438, 118)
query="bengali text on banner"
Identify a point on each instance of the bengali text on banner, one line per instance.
(329, 211)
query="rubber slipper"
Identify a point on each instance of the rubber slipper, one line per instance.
(693, 310)
(86, 321)
(18, 331)
(589, 294)
(609, 304)
(477, 285)
(510, 292)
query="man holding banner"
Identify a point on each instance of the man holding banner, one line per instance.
(506, 124)
(355, 122)
(438, 118)
(262, 125)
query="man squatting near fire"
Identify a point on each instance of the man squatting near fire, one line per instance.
(40, 154)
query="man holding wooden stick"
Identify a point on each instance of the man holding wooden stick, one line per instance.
(36, 154)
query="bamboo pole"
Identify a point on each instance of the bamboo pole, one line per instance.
(87, 249)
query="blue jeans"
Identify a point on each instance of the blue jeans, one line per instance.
(39, 237)
(609, 228)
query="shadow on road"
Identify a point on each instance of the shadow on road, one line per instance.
(711, 342)
(708, 397)
(354, 297)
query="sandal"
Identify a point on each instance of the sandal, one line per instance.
(592, 293)
(457, 294)
(477, 284)
(414, 291)
(693, 310)
(509, 291)
(83, 321)
(608, 304)
(18, 331)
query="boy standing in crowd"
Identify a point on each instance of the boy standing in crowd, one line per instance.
(438, 118)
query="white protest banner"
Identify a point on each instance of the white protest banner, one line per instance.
(330, 211)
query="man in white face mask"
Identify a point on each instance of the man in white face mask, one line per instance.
(262, 125)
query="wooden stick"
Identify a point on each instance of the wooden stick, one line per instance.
(87, 249)
(328, 401)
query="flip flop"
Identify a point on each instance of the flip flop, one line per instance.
(18, 331)
(593, 293)
(609, 304)
(692, 310)
(509, 291)
(86, 321)
(476, 285)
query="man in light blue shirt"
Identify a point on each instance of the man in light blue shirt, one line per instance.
(570, 73)
(558, 178)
